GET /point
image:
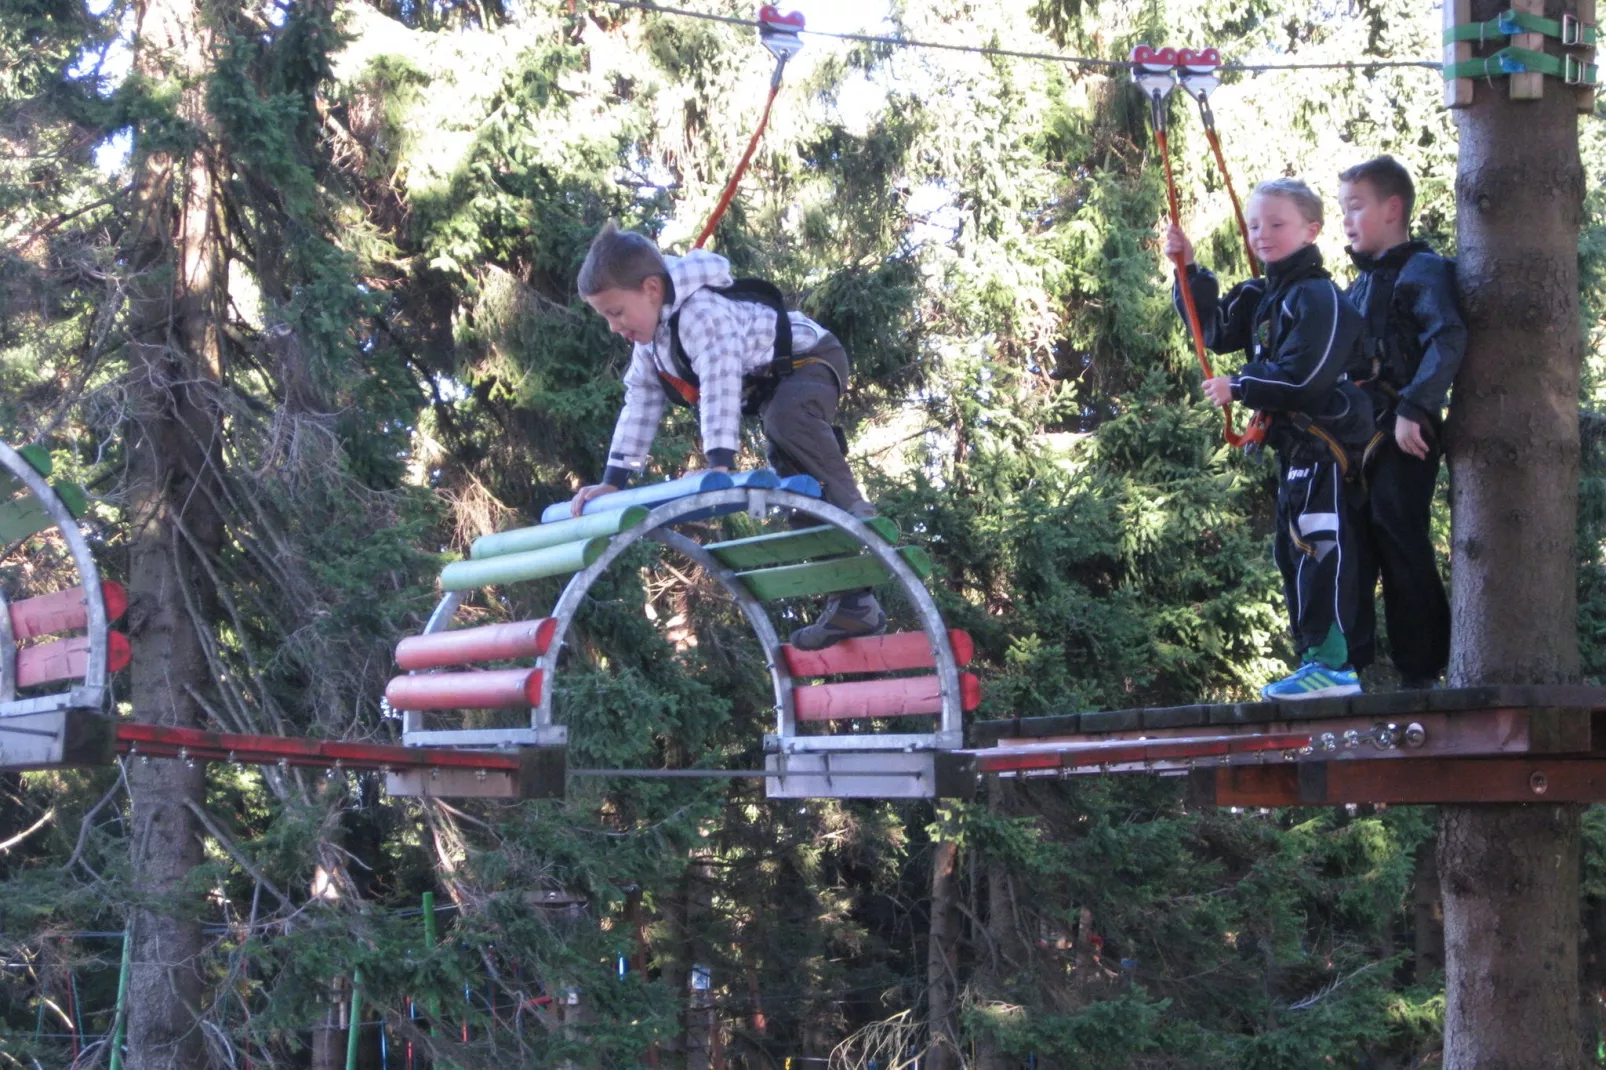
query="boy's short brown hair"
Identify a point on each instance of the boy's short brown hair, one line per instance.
(620, 260)
(1388, 177)
(1304, 198)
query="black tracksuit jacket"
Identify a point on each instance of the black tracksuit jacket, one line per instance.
(1304, 344)
(1424, 338)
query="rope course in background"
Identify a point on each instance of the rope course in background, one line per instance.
(1365, 63)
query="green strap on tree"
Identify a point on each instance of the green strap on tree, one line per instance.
(1513, 60)
(1567, 29)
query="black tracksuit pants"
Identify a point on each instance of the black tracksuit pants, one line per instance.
(1317, 544)
(1398, 548)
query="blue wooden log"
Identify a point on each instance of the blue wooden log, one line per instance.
(651, 495)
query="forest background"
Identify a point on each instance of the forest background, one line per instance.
(385, 205)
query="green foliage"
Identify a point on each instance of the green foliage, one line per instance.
(405, 194)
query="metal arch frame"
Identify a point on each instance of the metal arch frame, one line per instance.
(91, 694)
(656, 526)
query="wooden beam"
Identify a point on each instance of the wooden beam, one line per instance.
(1530, 86)
(789, 547)
(828, 577)
(903, 696)
(1394, 706)
(1420, 782)
(1457, 91)
(882, 653)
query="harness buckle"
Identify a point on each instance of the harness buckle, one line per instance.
(1574, 71)
(1572, 31)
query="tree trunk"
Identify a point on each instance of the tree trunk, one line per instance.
(942, 955)
(174, 310)
(1428, 914)
(1510, 873)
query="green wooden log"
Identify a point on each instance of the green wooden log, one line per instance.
(828, 577)
(788, 547)
(590, 526)
(517, 568)
(38, 459)
(25, 516)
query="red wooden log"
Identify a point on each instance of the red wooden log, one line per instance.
(67, 659)
(494, 689)
(908, 696)
(490, 642)
(881, 653)
(63, 611)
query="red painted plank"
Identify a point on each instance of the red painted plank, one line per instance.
(1006, 759)
(908, 696)
(162, 741)
(490, 642)
(63, 611)
(67, 659)
(881, 653)
(490, 690)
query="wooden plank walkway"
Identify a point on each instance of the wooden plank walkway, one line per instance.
(1479, 744)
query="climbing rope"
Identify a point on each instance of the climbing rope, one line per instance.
(1154, 72)
(779, 34)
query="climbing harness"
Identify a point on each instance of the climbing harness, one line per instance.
(778, 33)
(1154, 71)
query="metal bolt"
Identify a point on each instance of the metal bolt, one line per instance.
(1538, 783)
(479, 774)
(1352, 738)
(1415, 735)
(1328, 741)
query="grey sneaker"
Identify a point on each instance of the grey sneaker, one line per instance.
(839, 622)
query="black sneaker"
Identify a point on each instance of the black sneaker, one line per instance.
(839, 622)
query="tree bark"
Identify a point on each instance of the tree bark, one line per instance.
(1428, 913)
(942, 959)
(175, 306)
(1510, 873)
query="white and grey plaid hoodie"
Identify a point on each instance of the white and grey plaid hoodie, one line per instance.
(724, 340)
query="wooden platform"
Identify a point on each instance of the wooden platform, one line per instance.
(1482, 744)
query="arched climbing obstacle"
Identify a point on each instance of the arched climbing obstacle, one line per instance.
(1479, 744)
(909, 675)
(57, 648)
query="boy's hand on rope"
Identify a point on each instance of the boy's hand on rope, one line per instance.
(1408, 435)
(1177, 243)
(586, 494)
(1219, 390)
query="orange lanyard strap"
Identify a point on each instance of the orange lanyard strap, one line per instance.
(1154, 70)
(779, 34)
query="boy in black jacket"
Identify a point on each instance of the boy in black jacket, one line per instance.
(1303, 341)
(1415, 339)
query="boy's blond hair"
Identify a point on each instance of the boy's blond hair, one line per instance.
(1304, 198)
(620, 260)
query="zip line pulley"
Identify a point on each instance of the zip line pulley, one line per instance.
(779, 33)
(1157, 71)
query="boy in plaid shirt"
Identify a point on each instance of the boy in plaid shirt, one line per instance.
(725, 352)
